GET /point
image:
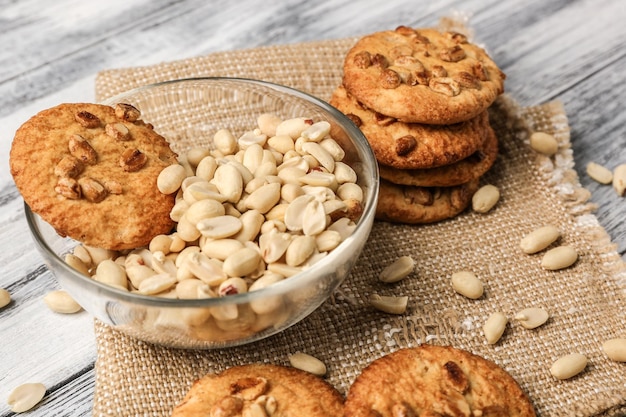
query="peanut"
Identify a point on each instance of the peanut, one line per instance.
(599, 173)
(267, 123)
(241, 263)
(221, 248)
(170, 178)
(327, 240)
(568, 366)
(494, 327)
(559, 258)
(389, 304)
(299, 250)
(117, 131)
(314, 219)
(539, 239)
(544, 143)
(485, 198)
(397, 270)
(615, 349)
(76, 263)
(619, 180)
(156, 284)
(60, 301)
(26, 396)
(269, 304)
(467, 284)
(533, 317)
(220, 227)
(307, 363)
(127, 112)
(5, 298)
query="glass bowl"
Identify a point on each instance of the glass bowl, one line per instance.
(187, 113)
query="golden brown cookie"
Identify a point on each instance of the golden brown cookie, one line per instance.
(275, 390)
(413, 145)
(456, 173)
(435, 381)
(91, 174)
(422, 76)
(417, 205)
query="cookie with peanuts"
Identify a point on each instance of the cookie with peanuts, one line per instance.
(413, 145)
(90, 171)
(431, 380)
(261, 390)
(419, 205)
(463, 171)
(422, 75)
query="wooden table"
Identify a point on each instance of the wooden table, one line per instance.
(568, 50)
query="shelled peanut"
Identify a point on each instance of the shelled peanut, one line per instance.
(250, 212)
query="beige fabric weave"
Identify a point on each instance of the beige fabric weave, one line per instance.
(586, 302)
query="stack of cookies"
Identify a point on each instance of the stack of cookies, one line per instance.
(420, 97)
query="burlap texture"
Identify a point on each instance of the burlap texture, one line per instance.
(586, 301)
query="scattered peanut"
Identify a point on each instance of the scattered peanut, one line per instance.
(599, 173)
(5, 298)
(485, 198)
(568, 366)
(615, 349)
(389, 304)
(544, 143)
(397, 270)
(533, 317)
(26, 396)
(494, 327)
(307, 363)
(467, 284)
(539, 239)
(559, 258)
(619, 179)
(60, 301)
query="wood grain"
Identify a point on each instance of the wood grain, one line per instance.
(568, 50)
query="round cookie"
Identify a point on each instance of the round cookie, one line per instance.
(282, 391)
(418, 205)
(456, 173)
(422, 76)
(413, 145)
(435, 381)
(91, 174)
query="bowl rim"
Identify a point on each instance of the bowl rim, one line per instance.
(284, 286)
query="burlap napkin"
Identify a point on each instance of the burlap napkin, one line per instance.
(586, 301)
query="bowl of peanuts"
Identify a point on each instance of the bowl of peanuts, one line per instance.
(276, 193)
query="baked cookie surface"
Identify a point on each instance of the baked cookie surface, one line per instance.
(418, 205)
(91, 174)
(413, 145)
(277, 390)
(422, 76)
(435, 381)
(460, 172)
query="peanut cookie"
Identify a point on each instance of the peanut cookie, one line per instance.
(413, 145)
(416, 205)
(457, 173)
(435, 381)
(90, 171)
(261, 390)
(422, 75)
